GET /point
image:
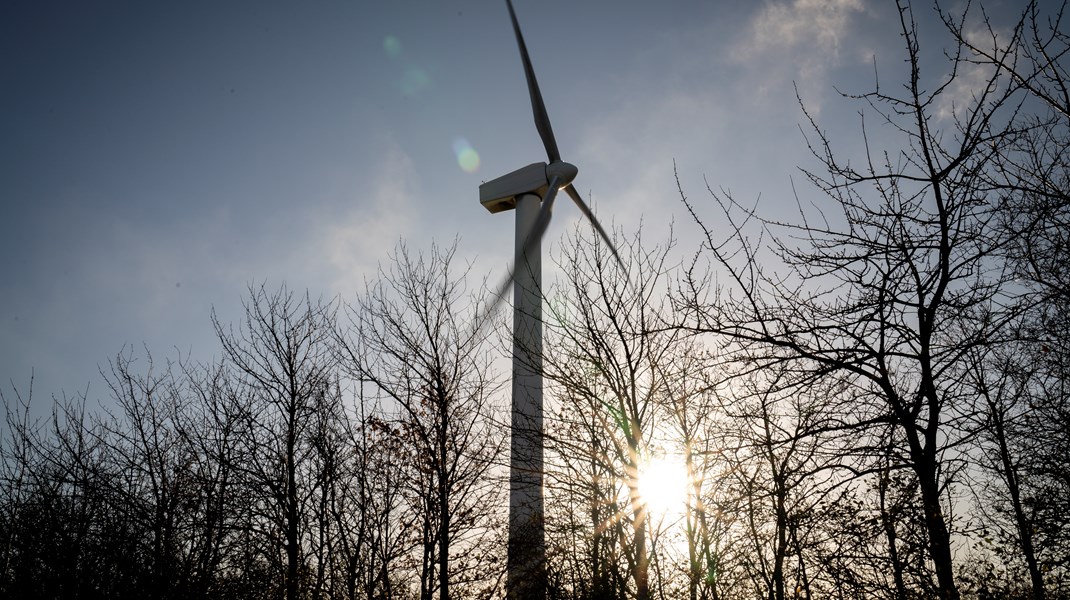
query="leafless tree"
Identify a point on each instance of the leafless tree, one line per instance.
(691, 407)
(75, 535)
(1024, 390)
(891, 291)
(610, 365)
(780, 462)
(413, 343)
(282, 353)
(155, 458)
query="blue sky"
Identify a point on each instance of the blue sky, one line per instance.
(157, 158)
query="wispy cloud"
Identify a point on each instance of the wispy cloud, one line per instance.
(798, 40)
(811, 24)
(972, 78)
(354, 243)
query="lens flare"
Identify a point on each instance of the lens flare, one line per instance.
(392, 46)
(467, 157)
(414, 80)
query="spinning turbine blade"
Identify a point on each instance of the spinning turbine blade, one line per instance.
(542, 222)
(538, 229)
(575, 195)
(542, 121)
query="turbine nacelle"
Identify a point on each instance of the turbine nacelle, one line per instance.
(500, 194)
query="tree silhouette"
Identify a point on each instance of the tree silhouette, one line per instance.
(889, 290)
(421, 356)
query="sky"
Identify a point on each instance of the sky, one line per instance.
(157, 158)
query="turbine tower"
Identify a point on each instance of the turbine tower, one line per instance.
(530, 191)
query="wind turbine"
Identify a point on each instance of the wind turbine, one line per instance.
(530, 191)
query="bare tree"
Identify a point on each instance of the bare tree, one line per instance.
(779, 463)
(76, 536)
(149, 449)
(282, 352)
(890, 293)
(692, 407)
(610, 363)
(17, 462)
(212, 425)
(415, 344)
(584, 529)
(1024, 390)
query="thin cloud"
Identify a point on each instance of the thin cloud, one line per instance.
(816, 25)
(972, 78)
(354, 244)
(805, 37)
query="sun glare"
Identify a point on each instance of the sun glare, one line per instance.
(663, 485)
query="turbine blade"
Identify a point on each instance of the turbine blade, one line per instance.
(542, 120)
(575, 195)
(542, 221)
(538, 229)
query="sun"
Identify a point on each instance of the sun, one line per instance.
(663, 486)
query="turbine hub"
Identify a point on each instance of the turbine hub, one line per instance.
(565, 172)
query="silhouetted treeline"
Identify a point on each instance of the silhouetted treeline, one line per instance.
(320, 457)
(871, 400)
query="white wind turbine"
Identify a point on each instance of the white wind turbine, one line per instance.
(531, 191)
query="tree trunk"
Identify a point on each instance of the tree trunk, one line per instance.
(888, 521)
(443, 503)
(939, 539)
(1025, 528)
(642, 564)
(776, 589)
(292, 554)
